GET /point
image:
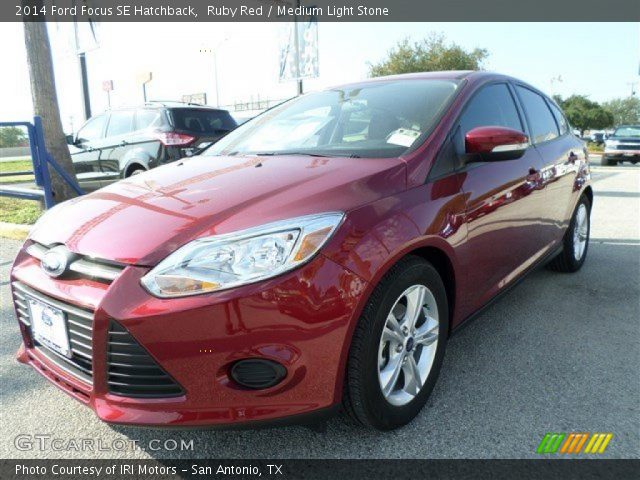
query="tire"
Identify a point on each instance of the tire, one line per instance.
(607, 162)
(135, 170)
(568, 261)
(364, 400)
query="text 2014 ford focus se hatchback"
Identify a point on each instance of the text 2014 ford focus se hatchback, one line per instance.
(318, 256)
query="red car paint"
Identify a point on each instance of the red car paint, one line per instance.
(482, 227)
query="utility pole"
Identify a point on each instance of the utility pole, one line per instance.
(297, 48)
(82, 61)
(45, 99)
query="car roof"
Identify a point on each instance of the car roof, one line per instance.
(169, 104)
(441, 75)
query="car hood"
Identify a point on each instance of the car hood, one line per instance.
(142, 219)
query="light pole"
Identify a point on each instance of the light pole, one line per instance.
(214, 53)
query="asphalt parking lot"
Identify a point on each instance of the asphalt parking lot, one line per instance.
(559, 353)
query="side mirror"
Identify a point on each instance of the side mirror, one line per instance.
(70, 140)
(491, 144)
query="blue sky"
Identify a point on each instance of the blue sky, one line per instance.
(594, 59)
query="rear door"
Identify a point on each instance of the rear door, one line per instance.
(503, 200)
(561, 154)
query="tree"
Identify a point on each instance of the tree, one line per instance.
(428, 55)
(45, 99)
(12, 137)
(585, 114)
(624, 110)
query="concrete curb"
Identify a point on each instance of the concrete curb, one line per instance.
(14, 231)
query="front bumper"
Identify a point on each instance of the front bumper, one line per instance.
(621, 155)
(302, 320)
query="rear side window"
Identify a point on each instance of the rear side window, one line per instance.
(560, 118)
(493, 106)
(92, 130)
(202, 121)
(120, 123)
(147, 119)
(543, 126)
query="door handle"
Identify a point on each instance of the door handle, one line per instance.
(534, 172)
(534, 177)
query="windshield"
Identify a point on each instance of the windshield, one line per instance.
(628, 131)
(375, 120)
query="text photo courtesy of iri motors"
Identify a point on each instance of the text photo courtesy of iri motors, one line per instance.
(273, 238)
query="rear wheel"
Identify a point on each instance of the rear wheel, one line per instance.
(135, 170)
(398, 346)
(576, 240)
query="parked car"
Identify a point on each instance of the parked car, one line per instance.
(126, 141)
(597, 137)
(319, 255)
(622, 145)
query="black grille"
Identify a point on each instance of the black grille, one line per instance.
(132, 372)
(79, 326)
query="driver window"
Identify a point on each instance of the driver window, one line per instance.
(92, 130)
(492, 106)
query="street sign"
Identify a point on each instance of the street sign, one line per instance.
(144, 77)
(197, 98)
(107, 85)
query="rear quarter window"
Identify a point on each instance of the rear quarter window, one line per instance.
(543, 125)
(563, 125)
(202, 121)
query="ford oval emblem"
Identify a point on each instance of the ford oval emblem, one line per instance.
(56, 261)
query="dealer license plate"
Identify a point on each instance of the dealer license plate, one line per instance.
(49, 327)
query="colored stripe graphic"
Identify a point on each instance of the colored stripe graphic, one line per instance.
(550, 443)
(598, 443)
(572, 443)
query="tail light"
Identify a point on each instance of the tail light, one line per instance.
(173, 139)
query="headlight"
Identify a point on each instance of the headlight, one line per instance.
(224, 261)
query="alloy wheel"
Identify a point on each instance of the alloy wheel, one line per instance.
(580, 231)
(408, 345)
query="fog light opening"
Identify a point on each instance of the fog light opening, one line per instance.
(257, 373)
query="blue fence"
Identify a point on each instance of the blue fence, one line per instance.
(41, 160)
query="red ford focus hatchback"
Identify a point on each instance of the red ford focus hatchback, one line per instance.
(318, 256)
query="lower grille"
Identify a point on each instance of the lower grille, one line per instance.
(132, 372)
(79, 326)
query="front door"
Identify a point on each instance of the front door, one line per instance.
(85, 153)
(502, 201)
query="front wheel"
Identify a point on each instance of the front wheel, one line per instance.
(398, 346)
(576, 240)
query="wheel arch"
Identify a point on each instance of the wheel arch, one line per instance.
(433, 250)
(133, 165)
(444, 266)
